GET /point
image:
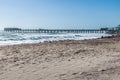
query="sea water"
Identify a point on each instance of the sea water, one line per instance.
(7, 38)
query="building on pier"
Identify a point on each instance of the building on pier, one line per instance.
(117, 30)
(118, 27)
(11, 29)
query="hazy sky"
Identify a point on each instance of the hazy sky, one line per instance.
(59, 13)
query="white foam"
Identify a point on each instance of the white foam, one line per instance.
(19, 38)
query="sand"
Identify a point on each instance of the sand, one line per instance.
(97, 59)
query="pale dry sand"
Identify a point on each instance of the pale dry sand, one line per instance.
(97, 59)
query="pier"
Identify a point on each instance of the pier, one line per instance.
(19, 30)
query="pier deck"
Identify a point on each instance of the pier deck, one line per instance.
(18, 30)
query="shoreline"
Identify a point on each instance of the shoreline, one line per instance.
(54, 41)
(26, 39)
(62, 60)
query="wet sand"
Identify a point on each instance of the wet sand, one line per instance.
(97, 59)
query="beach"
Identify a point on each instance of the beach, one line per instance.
(94, 59)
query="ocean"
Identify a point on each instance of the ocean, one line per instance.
(7, 38)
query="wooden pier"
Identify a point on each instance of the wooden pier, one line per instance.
(19, 30)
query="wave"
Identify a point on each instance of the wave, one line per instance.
(18, 38)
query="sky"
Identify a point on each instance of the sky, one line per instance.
(59, 14)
